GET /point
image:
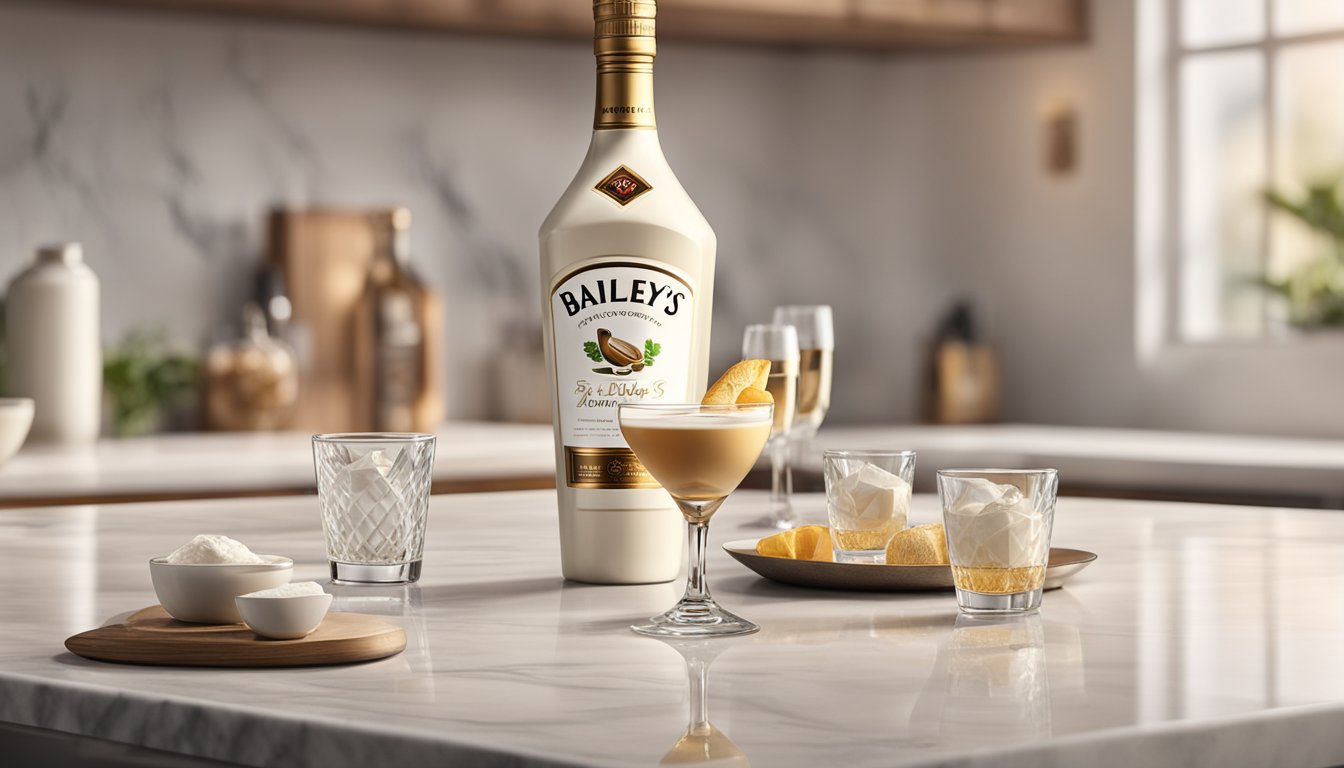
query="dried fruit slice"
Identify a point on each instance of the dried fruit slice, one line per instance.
(920, 545)
(748, 373)
(808, 542)
(753, 395)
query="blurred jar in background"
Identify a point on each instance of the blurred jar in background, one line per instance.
(252, 383)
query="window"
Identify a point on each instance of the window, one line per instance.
(1254, 102)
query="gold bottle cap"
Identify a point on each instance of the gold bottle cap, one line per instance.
(624, 18)
(624, 26)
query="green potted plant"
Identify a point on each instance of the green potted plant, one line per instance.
(1314, 292)
(143, 378)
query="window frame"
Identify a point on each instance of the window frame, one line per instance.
(1161, 176)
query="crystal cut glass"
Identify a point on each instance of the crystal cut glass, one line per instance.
(998, 535)
(373, 490)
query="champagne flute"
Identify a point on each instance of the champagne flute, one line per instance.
(699, 454)
(816, 343)
(779, 345)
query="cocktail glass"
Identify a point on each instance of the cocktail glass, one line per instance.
(699, 454)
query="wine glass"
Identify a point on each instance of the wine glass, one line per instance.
(779, 345)
(699, 454)
(816, 343)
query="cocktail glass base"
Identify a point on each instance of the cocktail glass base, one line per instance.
(981, 603)
(696, 618)
(781, 518)
(375, 573)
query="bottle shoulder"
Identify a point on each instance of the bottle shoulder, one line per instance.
(664, 204)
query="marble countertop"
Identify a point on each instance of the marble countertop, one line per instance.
(253, 463)
(1203, 636)
(489, 456)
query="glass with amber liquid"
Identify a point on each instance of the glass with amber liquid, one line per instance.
(779, 345)
(816, 346)
(698, 454)
(998, 535)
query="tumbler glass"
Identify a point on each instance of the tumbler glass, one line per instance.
(998, 535)
(373, 489)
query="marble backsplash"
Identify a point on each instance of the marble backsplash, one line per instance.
(160, 141)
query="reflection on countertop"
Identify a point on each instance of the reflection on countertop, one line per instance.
(702, 743)
(989, 686)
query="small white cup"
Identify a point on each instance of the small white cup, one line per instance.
(284, 618)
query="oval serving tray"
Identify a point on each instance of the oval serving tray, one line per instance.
(879, 577)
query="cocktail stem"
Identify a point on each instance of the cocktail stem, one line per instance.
(697, 541)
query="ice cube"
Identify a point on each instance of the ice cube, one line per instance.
(368, 477)
(871, 498)
(992, 525)
(977, 492)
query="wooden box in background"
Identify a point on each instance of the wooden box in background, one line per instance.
(325, 257)
(964, 386)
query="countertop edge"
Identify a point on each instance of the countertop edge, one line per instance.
(1307, 733)
(214, 730)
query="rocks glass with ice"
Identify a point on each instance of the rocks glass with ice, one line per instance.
(373, 489)
(998, 535)
(867, 501)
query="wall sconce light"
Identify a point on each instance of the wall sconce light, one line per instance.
(1061, 139)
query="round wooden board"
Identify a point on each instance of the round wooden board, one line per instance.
(151, 636)
(879, 577)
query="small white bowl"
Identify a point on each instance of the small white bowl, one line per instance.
(284, 618)
(16, 418)
(203, 593)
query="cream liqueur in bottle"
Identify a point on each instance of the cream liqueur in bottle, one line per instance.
(627, 277)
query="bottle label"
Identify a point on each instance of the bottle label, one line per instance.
(623, 334)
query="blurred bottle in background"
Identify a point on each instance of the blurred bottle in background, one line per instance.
(962, 385)
(398, 330)
(53, 346)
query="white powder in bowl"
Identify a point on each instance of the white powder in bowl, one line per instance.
(211, 549)
(295, 589)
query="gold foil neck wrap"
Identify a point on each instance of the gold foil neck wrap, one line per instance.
(624, 42)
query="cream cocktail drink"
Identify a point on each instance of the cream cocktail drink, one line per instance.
(698, 456)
